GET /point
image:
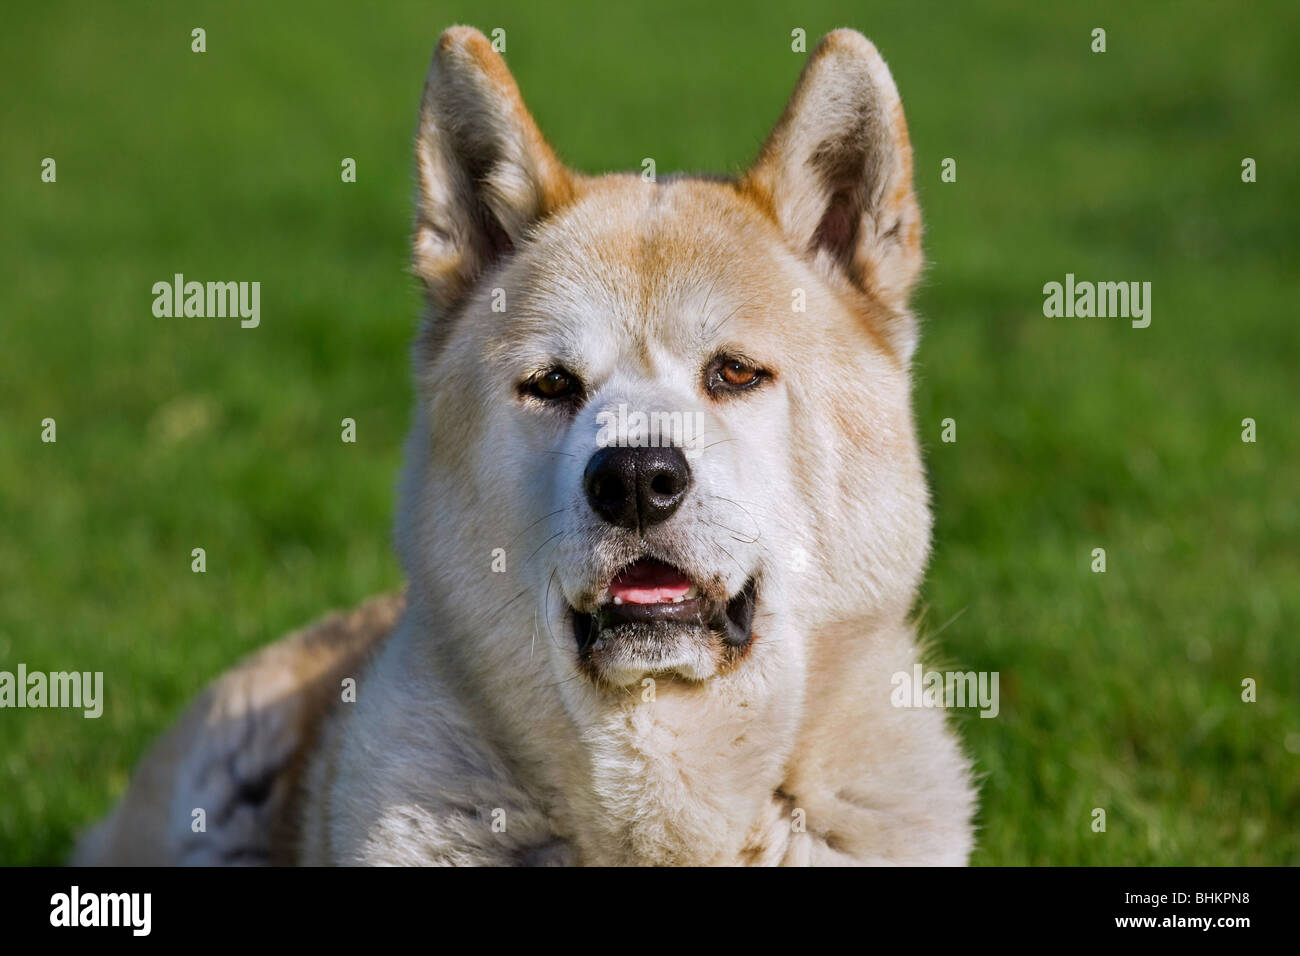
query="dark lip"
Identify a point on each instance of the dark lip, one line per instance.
(732, 620)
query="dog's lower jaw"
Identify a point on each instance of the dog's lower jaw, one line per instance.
(696, 640)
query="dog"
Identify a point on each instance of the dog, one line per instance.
(617, 646)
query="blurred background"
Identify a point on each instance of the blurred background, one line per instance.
(1119, 690)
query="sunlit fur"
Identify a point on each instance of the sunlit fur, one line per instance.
(477, 709)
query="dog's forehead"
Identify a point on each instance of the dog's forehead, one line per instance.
(650, 259)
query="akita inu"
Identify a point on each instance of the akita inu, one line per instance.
(611, 652)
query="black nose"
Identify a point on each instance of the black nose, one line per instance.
(636, 487)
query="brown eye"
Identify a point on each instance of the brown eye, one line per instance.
(553, 384)
(730, 373)
(736, 373)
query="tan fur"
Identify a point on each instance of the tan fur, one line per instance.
(252, 727)
(478, 736)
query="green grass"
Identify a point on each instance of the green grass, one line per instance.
(1119, 691)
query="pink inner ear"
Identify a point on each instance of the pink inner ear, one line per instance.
(838, 229)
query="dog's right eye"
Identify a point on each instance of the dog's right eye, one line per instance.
(553, 385)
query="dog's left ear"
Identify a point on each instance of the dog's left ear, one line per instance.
(836, 173)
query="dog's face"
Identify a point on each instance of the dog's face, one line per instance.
(665, 427)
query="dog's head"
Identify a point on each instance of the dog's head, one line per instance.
(664, 427)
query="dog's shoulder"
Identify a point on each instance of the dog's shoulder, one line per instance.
(876, 782)
(414, 775)
(215, 788)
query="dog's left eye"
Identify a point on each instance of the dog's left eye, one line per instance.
(738, 373)
(552, 385)
(731, 374)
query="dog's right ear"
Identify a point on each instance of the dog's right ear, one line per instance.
(484, 172)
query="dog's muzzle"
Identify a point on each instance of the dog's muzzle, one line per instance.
(651, 593)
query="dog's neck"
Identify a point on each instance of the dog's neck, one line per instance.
(669, 773)
(688, 777)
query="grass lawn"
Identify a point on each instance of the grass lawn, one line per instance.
(1119, 691)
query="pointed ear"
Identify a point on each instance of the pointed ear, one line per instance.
(484, 172)
(836, 172)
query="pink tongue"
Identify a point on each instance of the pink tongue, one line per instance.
(649, 582)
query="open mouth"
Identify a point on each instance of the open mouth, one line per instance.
(650, 592)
